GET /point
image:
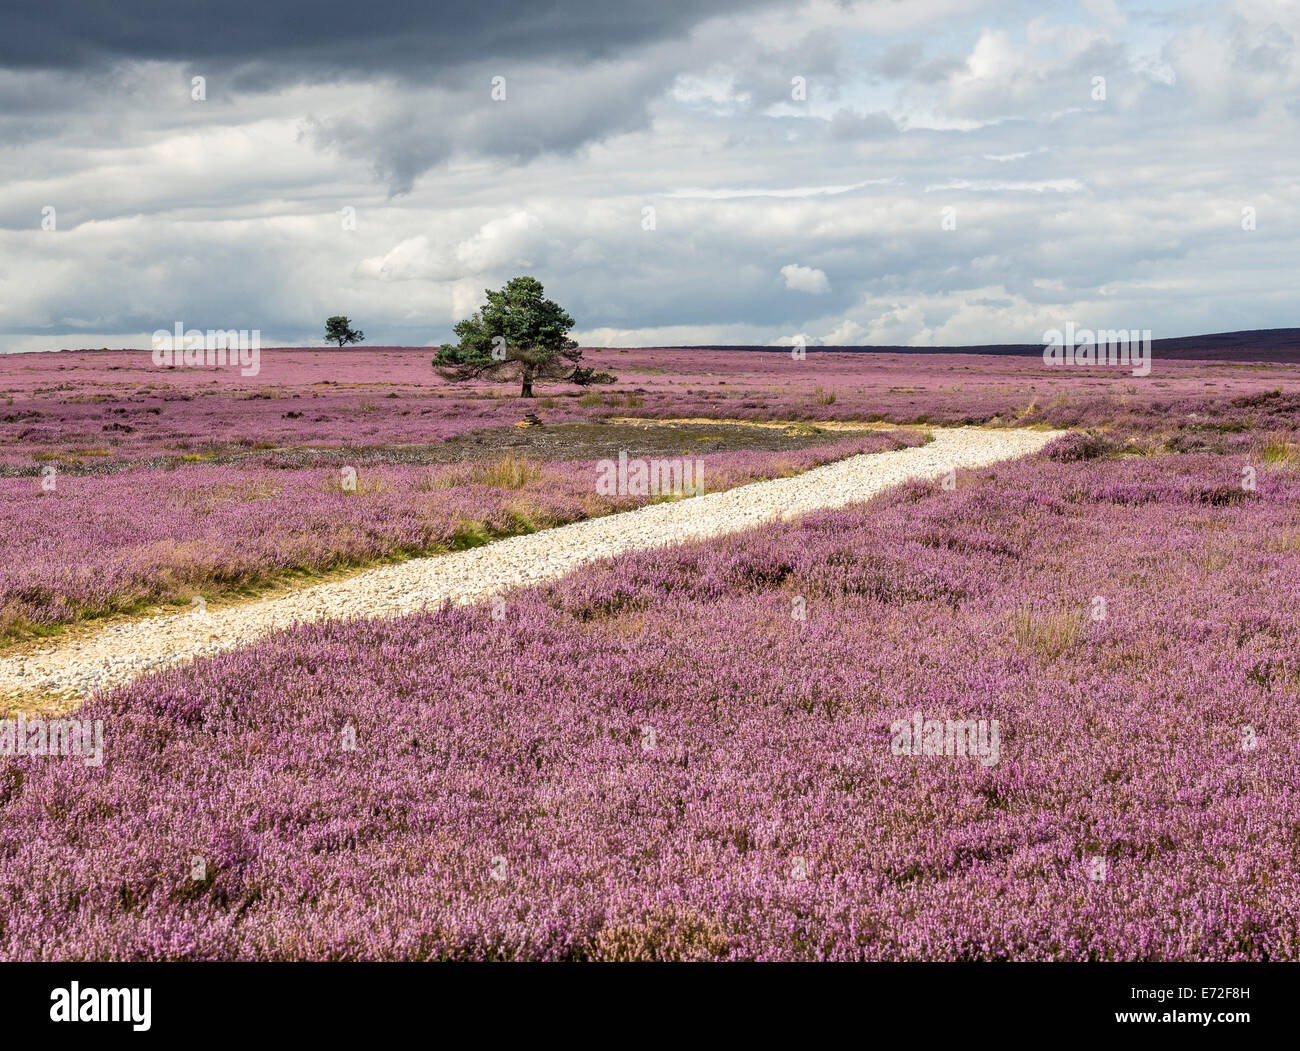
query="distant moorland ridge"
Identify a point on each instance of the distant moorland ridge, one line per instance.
(1271, 345)
(1265, 344)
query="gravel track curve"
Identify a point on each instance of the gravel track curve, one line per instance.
(116, 654)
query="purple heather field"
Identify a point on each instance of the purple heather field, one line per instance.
(698, 752)
(93, 410)
(102, 544)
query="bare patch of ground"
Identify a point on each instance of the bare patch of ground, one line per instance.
(593, 440)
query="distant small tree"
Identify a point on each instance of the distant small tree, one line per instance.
(517, 334)
(338, 329)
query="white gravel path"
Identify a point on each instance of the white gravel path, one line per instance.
(120, 652)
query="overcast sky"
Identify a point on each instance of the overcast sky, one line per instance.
(823, 206)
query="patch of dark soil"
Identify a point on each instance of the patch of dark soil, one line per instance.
(598, 441)
(561, 441)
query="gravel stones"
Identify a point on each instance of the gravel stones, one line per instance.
(122, 652)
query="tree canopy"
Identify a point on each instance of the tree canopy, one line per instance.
(517, 333)
(338, 329)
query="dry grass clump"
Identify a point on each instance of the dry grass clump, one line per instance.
(670, 935)
(1278, 449)
(1051, 633)
(509, 472)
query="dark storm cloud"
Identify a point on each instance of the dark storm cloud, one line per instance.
(271, 43)
(436, 58)
(410, 133)
(231, 211)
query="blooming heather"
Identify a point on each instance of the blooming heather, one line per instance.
(98, 409)
(659, 758)
(97, 544)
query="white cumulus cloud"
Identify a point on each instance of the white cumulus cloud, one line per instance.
(805, 279)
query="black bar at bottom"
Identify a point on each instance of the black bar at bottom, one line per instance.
(624, 1001)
